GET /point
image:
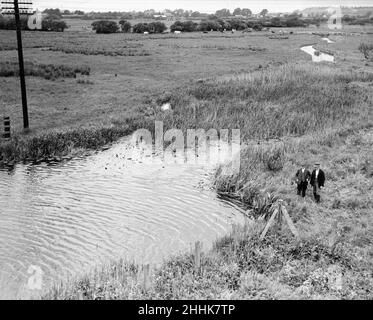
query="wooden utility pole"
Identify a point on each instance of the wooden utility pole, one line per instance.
(16, 11)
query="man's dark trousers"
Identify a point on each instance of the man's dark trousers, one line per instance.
(302, 187)
(317, 183)
(316, 193)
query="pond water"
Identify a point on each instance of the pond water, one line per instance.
(317, 56)
(328, 40)
(68, 217)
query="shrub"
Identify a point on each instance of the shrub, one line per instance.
(125, 26)
(105, 26)
(10, 24)
(225, 25)
(367, 50)
(157, 27)
(141, 28)
(187, 26)
(177, 26)
(238, 24)
(207, 25)
(258, 27)
(53, 23)
(154, 27)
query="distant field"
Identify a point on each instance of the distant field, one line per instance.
(128, 69)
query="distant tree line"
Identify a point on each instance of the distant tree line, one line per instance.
(185, 14)
(292, 20)
(354, 20)
(218, 24)
(215, 25)
(60, 13)
(107, 26)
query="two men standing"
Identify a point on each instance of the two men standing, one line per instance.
(316, 179)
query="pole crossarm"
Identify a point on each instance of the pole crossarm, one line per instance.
(11, 10)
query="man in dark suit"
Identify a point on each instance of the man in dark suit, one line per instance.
(317, 181)
(302, 177)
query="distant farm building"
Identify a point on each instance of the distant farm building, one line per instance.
(164, 16)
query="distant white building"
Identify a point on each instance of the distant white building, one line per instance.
(159, 16)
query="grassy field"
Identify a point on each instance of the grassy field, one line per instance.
(129, 73)
(290, 112)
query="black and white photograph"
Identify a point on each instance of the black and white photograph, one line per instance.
(212, 151)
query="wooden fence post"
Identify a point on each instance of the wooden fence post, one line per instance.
(146, 269)
(290, 222)
(274, 214)
(279, 216)
(197, 256)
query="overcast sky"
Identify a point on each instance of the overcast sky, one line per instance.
(198, 5)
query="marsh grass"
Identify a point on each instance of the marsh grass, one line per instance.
(131, 52)
(49, 72)
(292, 99)
(239, 266)
(58, 144)
(272, 103)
